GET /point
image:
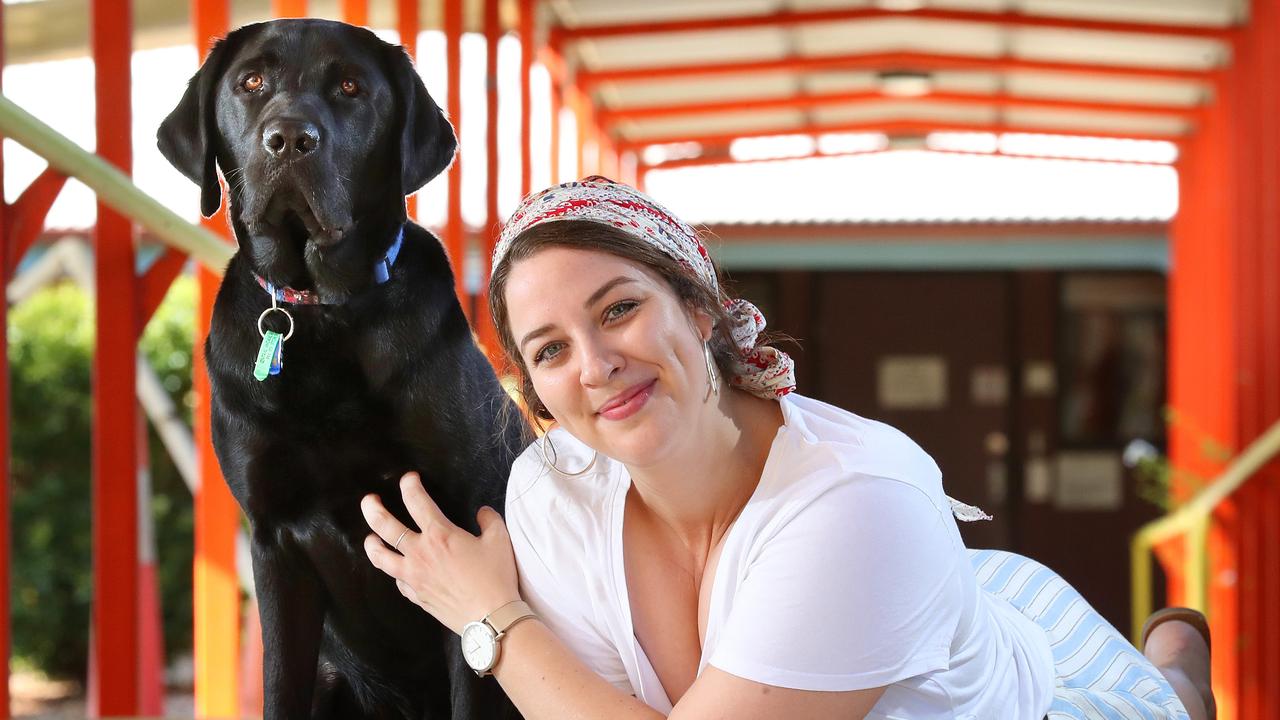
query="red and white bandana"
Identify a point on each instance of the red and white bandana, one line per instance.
(763, 371)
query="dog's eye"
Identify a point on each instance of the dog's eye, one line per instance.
(252, 82)
(350, 87)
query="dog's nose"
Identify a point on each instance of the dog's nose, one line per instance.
(288, 139)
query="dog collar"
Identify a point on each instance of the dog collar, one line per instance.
(381, 274)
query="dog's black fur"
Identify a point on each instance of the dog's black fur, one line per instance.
(384, 379)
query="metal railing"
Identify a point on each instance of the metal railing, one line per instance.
(1192, 520)
(113, 187)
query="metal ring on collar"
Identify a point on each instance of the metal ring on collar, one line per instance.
(263, 316)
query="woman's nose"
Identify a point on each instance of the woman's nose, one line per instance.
(598, 361)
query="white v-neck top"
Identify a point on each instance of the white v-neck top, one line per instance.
(844, 571)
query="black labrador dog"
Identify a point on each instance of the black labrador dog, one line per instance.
(321, 129)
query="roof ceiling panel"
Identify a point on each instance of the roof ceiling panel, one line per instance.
(688, 90)
(694, 125)
(834, 82)
(683, 48)
(1117, 49)
(1084, 87)
(1095, 121)
(884, 35)
(890, 110)
(1183, 12)
(576, 13)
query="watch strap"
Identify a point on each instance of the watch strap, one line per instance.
(504, 617)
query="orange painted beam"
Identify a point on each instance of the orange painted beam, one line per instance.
(6, 533)
(24, 220)
(289, 8)
(408, 23)
(216, 586)
(886, 61)
(789, 18)
(557, 106)
(898, 127)
(154, 284)
(724, 159)
(528, 50)
(355, 12)
(115, 681)
(865, 97)
(486, 333)
(454, 232)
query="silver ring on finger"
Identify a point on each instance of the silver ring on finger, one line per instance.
(396, 546)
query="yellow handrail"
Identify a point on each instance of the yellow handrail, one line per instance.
(1193, 519)
(113, 187)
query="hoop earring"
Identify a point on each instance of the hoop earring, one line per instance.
(713, 377)
(542, 446)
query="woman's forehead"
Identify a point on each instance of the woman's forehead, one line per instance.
(565, 270)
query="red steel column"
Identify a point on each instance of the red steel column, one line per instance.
(454, 232)
(407, 24)
(482, 321)
(1203, 362)
(5, 532)
(115, 490)
(289, 8)
(216, 597)
(557, 104)
(355, 12)
(528, 51)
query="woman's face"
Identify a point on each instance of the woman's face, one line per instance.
(613, 353)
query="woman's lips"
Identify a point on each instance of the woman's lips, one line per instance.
(628, 403)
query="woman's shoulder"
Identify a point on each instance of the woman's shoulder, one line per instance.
(561, 481)
(850, 445)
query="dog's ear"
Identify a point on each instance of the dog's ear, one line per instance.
(427, 141)
(186, 137)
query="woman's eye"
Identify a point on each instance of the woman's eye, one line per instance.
(619, 309)
(252, 82)
(548, 352)
(350, 87)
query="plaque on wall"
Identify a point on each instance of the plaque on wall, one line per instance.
(912, 382)
(1089, 480)
(989, 385)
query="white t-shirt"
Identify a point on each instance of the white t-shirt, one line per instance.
(844, 571)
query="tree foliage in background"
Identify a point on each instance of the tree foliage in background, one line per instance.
(50, 355)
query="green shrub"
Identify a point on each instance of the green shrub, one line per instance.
(50, 355)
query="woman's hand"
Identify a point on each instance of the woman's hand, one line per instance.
(450, 573)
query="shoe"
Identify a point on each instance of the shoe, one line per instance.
(1194, 618)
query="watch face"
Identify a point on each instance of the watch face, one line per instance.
(479, 646)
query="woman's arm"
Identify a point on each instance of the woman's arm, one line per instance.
(545, 681)
(460, 578)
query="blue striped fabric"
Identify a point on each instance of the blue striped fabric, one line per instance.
(1100, 675)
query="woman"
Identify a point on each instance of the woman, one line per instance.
(693, 540)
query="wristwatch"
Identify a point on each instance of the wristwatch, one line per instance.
(480, 639)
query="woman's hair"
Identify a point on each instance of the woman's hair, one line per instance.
(589, 235)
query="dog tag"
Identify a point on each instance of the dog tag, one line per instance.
(266, 355)
(277, 362)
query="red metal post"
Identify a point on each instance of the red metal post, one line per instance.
(216, 600)
(454, 232)
(289, 8)
(557, 106)
(115, 491)
(5, 533)
(407, 25)
(483, 322)
(528, 50)
(1202, 357)
(355, 12)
